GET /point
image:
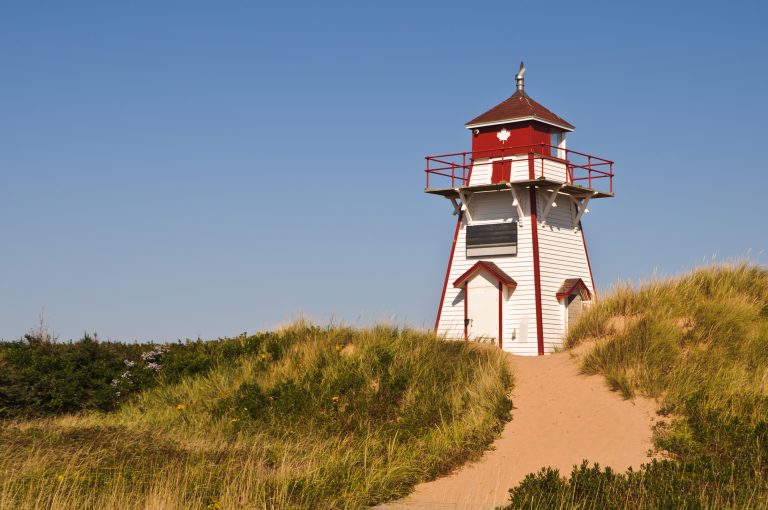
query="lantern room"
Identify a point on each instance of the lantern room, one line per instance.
(519, 123)
(520, 140)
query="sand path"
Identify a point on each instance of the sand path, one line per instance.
(560, 417)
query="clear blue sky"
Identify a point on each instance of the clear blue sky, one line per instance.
(183, 169)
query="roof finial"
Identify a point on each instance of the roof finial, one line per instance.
(519, 77)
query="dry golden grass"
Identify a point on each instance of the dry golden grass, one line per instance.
(698, 343)
(352, 418)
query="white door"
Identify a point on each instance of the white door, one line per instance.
(483, 307)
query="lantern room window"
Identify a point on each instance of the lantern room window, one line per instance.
(557, 143)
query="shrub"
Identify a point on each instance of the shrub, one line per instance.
(40, 378)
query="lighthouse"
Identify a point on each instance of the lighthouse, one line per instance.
(518, 272)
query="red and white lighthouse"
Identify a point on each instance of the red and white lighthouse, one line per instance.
(518, 271)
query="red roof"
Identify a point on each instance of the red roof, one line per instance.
(520, 107)
(491, 268)
(574, 286)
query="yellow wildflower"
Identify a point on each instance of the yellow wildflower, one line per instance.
(179, 406)
(335, 399)
(235, 420)
(338, 347)
(59, 478)
(263, 356)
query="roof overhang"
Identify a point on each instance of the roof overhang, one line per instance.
(491, 268)
(519, 119)
(573, 286)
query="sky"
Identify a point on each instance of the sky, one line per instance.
(175, 170)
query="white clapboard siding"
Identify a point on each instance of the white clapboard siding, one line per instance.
(493, 206)
(519, 309)
(520, 169)
(482, 169)
(481, 172)
(553, 170)
(562, 255)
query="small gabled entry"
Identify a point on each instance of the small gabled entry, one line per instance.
(486, 287)
(572, 294)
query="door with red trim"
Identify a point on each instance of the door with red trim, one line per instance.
(483, 309)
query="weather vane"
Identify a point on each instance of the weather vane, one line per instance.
(519, 77)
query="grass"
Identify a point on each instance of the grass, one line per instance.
(699, 345)
(304, 418)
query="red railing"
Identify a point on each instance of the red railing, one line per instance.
(579, 168)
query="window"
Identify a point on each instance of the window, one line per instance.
(557, 141)
(492, 239)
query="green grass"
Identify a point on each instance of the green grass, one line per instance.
(301, 418)
(699, 345)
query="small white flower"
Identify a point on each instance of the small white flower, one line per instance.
(154, 353)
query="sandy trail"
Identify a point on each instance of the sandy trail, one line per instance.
(560, 417)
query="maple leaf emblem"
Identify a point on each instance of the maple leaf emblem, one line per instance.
(503, 135)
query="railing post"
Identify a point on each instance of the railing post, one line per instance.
(611, 178)
(531, 171)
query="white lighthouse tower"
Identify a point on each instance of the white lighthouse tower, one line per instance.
(518, 271)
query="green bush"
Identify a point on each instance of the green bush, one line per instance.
(40, 378)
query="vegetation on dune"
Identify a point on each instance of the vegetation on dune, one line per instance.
(699, 345)
(39, 377)
(301, 418)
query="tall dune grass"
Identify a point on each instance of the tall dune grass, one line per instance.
(699, 345)
(320, 418)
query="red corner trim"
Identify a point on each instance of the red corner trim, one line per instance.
(466, 313)
(591, 278)
(531, 172)
(536, 272)
(448, 271)
(501, 320)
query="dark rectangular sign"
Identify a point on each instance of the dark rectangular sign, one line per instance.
(492, 239)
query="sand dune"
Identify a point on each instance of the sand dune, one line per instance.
(560, 417)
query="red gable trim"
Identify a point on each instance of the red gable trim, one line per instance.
(492, 268)
(448, 271)
(573, 286)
